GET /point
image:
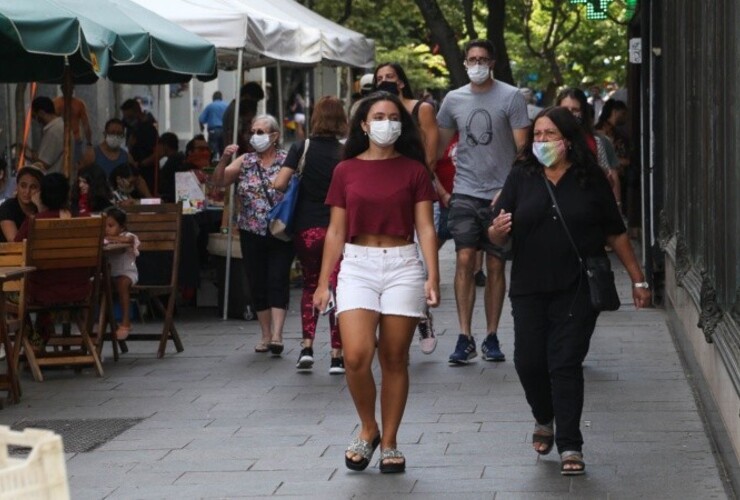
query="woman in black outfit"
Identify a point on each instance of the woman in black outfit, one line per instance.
(328, 125)
(553, 316)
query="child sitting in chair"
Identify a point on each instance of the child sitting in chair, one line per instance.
(123, 265)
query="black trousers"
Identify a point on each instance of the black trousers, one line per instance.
(551, 337)
(267, 263)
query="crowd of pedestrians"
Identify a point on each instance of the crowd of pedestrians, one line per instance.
(380, 192)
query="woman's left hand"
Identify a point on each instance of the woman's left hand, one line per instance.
(431, 291)
(642, 297)
(500, 228)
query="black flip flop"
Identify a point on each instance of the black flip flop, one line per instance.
(392, 467)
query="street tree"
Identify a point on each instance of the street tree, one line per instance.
(538, 43)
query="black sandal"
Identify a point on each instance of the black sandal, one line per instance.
(392, 467)
(363, 448)
(544, 434)
(572, 464)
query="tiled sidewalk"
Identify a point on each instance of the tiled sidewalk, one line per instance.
(220, 421)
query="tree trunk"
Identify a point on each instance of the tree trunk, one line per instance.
(495, 24)
(552, 61)
(468, 6)
(347, 12)
(444, 36)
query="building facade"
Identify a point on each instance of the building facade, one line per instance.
(691, 183)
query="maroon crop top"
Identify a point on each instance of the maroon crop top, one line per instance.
(379, 195)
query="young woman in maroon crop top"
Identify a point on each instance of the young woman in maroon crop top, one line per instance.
(379, 195)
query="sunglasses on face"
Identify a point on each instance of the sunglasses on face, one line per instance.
(259, 131)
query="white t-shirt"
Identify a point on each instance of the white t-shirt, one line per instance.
(51, 149)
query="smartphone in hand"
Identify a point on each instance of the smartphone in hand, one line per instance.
(331, 305)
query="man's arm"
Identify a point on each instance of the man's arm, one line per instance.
(430, 134)
(203, 118)
(520, 137)
(445, 136)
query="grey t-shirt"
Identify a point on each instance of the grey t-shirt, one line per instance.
(485, 121)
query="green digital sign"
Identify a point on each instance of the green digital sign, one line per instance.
(596, 9)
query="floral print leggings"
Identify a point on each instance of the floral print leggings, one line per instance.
(309, 247)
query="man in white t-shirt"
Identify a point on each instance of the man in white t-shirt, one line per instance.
(50, 153)
(491, 118)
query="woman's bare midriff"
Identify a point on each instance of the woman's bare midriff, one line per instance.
(379, 240)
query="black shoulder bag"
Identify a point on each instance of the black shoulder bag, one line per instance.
(601, 287)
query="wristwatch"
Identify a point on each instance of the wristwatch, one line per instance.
(642, 284)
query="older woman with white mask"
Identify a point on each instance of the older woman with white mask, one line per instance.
(268, 265)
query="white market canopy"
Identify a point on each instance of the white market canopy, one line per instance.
(268, 30)
(339, 45)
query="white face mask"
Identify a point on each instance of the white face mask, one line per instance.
(114, 141)
(384, 132)
(479, 73)
(260, 143)
(162, 161)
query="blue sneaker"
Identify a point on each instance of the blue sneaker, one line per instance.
(491, 349)
(464, 350)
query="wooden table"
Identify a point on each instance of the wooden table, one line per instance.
(9, 381)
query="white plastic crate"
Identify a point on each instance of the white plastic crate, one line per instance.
(40, 475)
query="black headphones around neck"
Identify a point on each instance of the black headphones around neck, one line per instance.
(486, 137)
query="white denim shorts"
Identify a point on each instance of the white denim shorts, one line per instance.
(386, 280)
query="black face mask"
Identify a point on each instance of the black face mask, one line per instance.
(391, 87)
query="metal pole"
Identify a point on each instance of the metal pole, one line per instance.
(280, 107)
(232, 191)
(9, 131)
(307, 111)
(67, 166)
(191, 108)
(348, 97)
(338, 81)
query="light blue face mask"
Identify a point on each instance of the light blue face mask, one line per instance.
(548, 153)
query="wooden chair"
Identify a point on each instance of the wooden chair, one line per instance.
(55, 245)
(13, 255)
(158, 230)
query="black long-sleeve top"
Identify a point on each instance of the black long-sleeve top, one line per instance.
(543, 258)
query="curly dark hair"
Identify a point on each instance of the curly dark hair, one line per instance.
(582, 159)
(408, 144)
